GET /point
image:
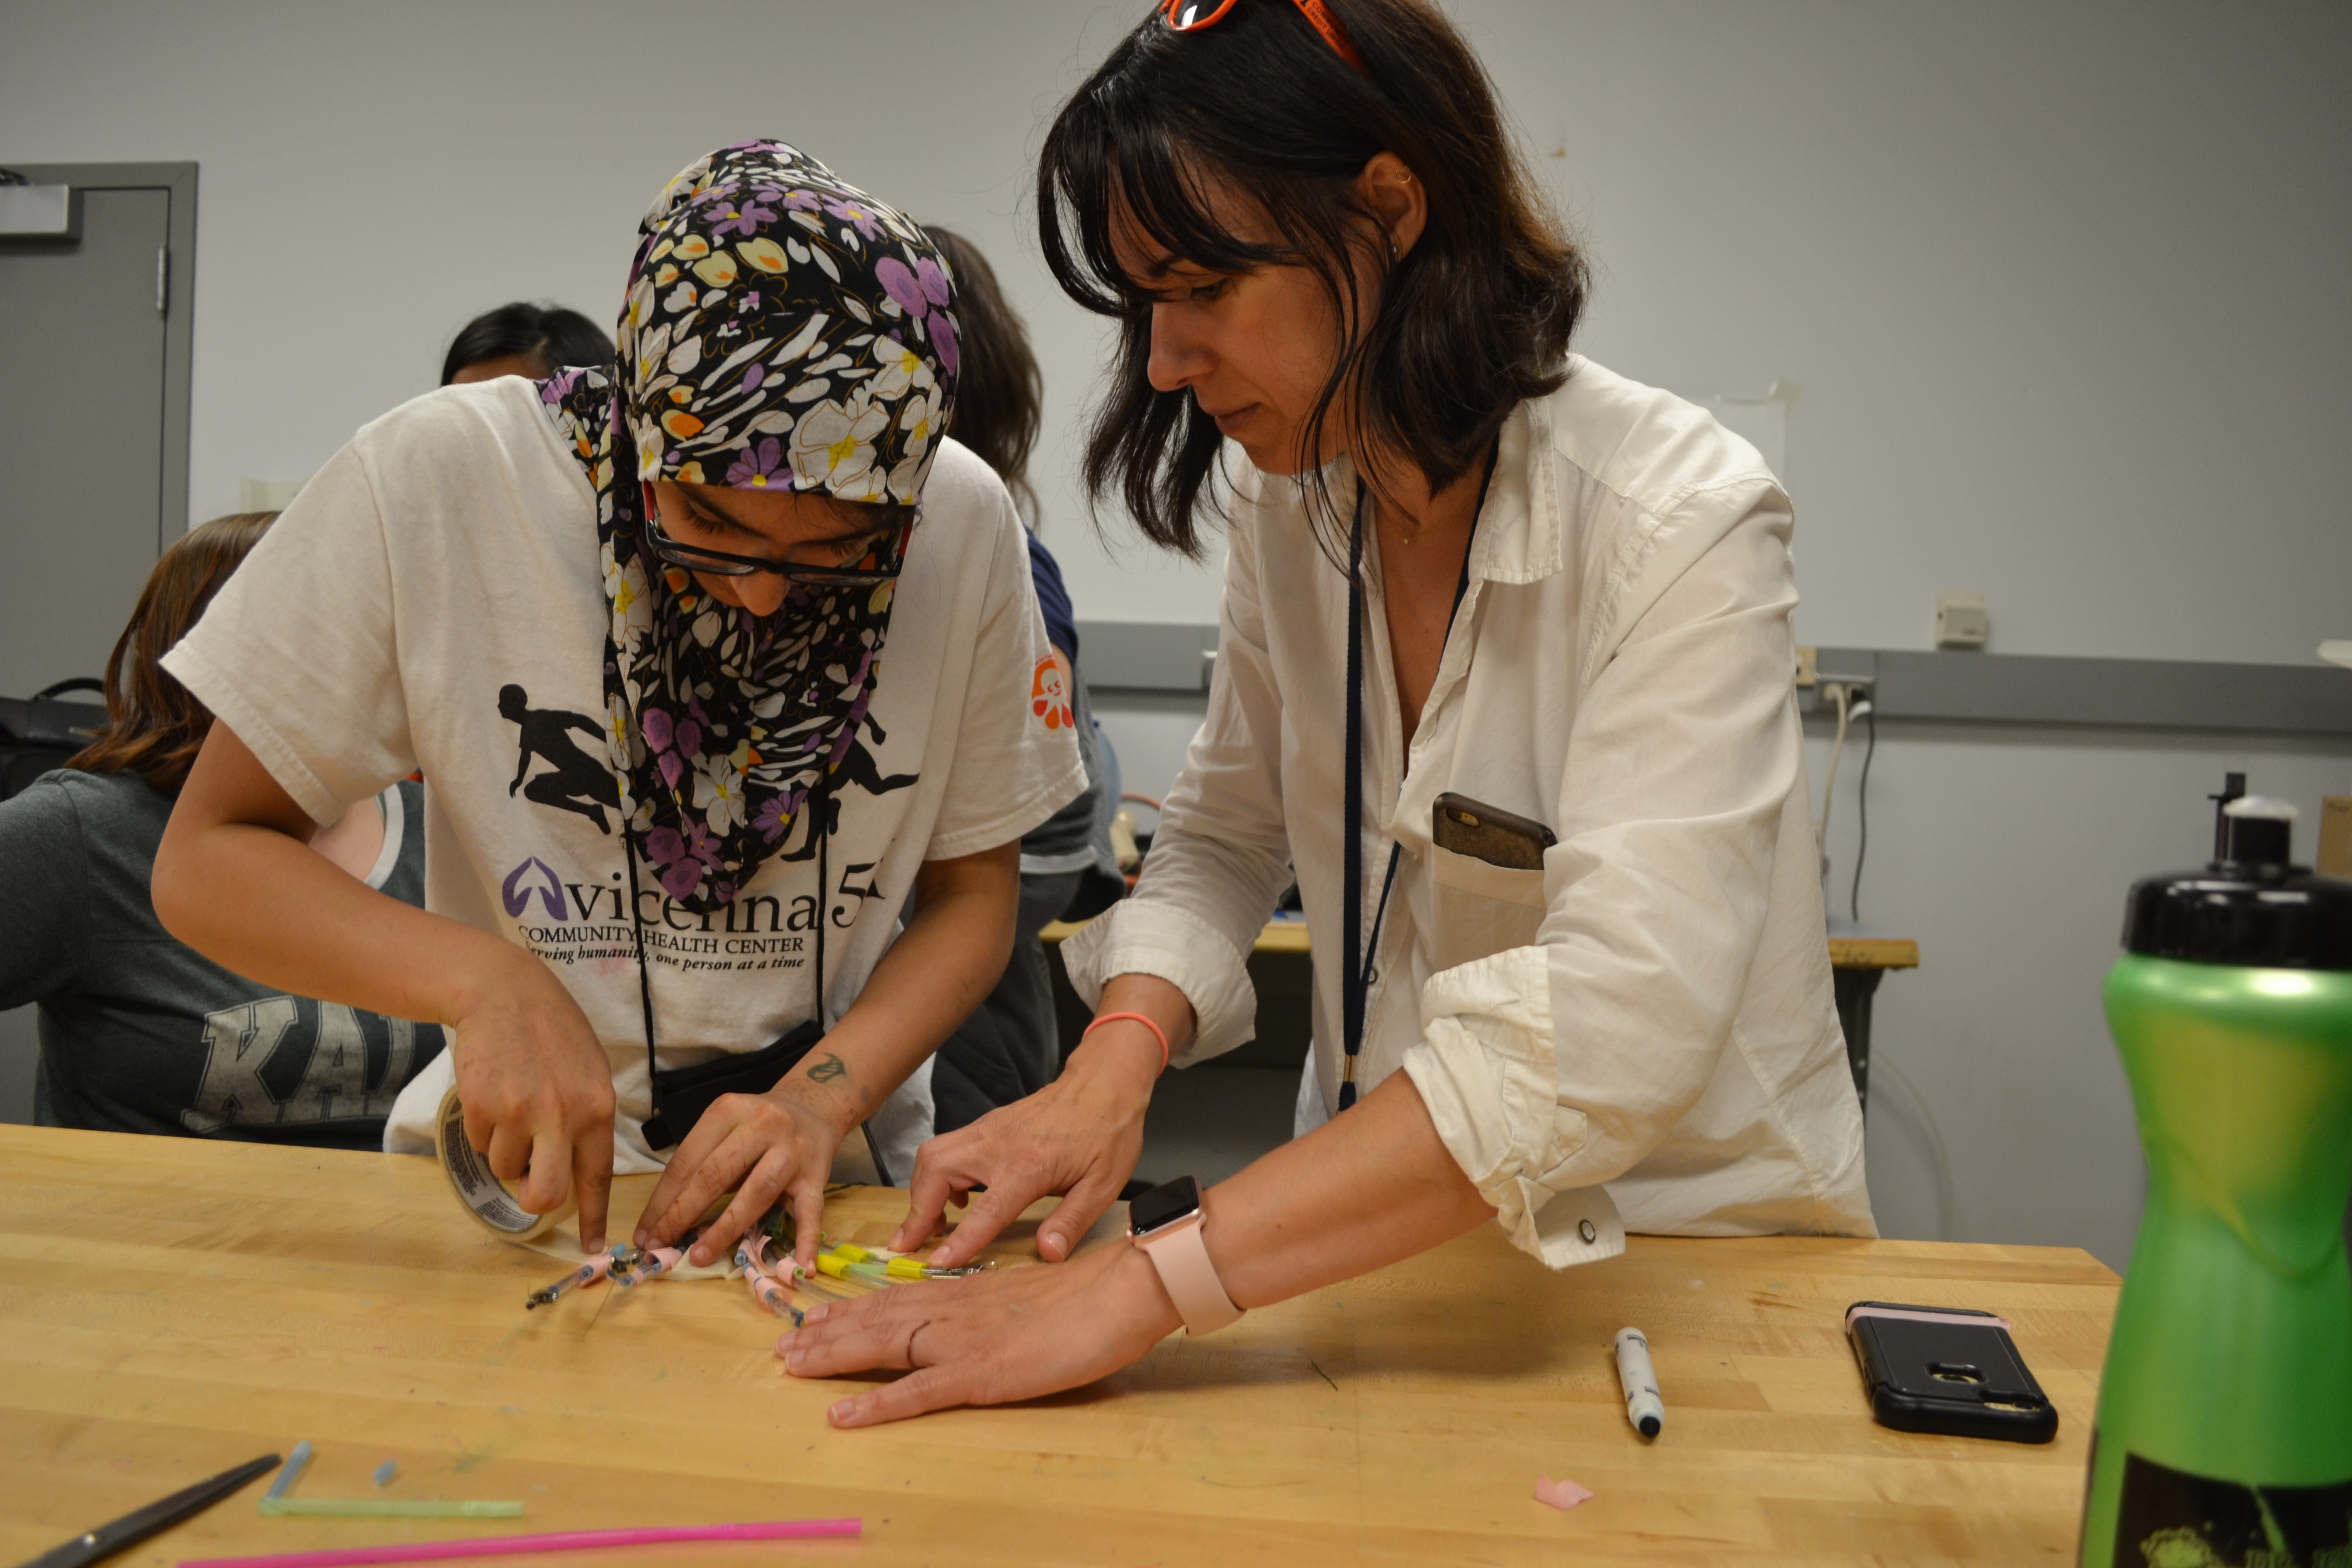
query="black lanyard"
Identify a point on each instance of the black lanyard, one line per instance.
(1360, 974)
(816, 801)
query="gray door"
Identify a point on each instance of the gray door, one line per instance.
(81, 434)
(94, 339)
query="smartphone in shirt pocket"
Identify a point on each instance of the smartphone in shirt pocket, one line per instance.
(1484, 849)
(1492, 837)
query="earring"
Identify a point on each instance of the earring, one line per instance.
(1392, 250)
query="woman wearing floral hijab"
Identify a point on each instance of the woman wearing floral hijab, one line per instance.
(709, 659)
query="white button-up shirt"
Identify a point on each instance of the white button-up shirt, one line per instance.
(1640, 1036)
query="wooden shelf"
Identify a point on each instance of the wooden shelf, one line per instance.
(1876, 950)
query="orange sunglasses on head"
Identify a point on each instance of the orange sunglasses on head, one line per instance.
(1191, 15)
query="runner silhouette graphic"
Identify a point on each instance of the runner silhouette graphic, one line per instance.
(574, 781)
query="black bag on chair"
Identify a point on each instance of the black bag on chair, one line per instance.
(38, 734)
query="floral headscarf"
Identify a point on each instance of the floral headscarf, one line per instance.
(784, 330)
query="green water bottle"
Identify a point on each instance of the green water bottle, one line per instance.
(2224, 1437)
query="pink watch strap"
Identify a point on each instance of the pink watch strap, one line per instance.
(1181, 1254)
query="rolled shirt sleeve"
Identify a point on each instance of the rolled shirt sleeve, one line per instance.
(1221, 858)
(1549, 1069)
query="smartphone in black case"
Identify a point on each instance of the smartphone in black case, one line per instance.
(1488, 833)
(1952, 1370)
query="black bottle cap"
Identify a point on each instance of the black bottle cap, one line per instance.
(2251, 908)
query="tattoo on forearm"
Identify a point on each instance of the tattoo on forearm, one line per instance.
(827, 1070)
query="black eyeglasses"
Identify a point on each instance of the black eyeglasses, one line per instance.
(721, 564)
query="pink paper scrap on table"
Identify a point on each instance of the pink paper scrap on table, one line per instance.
(506, 1545)
(1561, 1495)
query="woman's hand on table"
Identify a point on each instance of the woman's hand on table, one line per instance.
(761, 1147)
(987, 1340)
(1080, 1135)
(538, 1090)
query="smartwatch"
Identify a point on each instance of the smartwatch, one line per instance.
(1166, 1222)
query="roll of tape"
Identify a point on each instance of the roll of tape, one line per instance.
(480, 1190)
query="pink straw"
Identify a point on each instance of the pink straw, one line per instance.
(562, 1540)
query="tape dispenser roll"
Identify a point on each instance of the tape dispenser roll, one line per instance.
(483, 1195)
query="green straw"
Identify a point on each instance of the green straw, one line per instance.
(387, 1508)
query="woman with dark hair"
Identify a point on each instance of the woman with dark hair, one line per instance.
(1506, 678)
(1011, 1046)
(138, 1033)
(522, 339)
(713, 653)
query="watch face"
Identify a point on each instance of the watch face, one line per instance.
(1163, 1205)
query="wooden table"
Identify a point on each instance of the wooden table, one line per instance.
(1851, 946)
(1860, 956)
(1276, 936)
(172, 1307)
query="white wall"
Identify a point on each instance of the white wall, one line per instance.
(372, 175)
(2059, 291)
(2060, 288)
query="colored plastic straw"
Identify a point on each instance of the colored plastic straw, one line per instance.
(750, 1256)
(588, 1273)
(391, 1507)
(508, 1545)
(293, 1467)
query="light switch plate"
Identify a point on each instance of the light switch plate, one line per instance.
(1961, 620)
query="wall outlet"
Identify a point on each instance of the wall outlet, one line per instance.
(1961, 620)
(1809, 662)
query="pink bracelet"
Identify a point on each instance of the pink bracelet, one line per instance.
(1157, 1032)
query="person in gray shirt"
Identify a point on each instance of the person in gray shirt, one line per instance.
(139, 1033)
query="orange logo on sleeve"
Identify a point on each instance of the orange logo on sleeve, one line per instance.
(1049, 695)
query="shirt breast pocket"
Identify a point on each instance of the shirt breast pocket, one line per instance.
(1482, 908)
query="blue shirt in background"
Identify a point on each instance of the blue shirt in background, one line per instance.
(1061, 621)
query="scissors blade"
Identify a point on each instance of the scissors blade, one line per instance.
(157, 1516)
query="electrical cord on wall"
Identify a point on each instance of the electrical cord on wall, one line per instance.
(1862, 809)
(1845, 693)
(1840, 695)
(1939, 1159)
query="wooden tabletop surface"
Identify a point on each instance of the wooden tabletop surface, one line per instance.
(172, 1307)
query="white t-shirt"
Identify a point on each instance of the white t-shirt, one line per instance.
(433, 600)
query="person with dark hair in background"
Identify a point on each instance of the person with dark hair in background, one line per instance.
(1506, 678)
(1010, 1047)
(522, 339)
(138, 1033)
